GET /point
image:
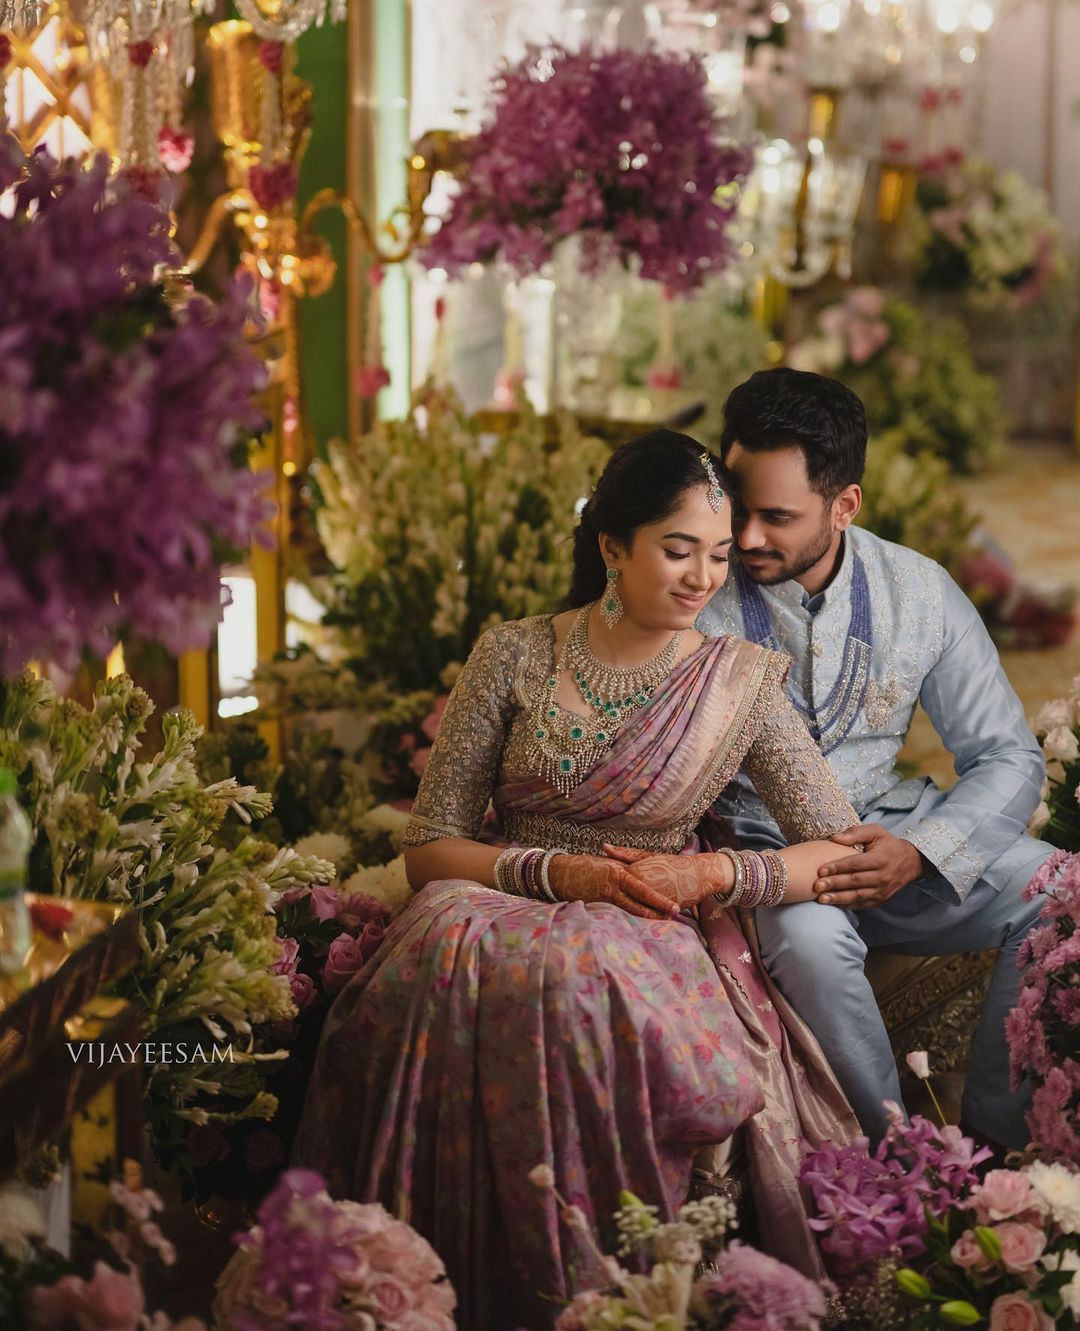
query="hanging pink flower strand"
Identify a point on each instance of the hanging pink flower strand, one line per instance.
(373, 374)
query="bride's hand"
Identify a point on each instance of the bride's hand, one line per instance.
(682, 879)
(594, 878)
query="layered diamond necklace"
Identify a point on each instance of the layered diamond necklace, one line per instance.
(565, 746)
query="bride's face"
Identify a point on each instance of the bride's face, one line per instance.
(674, 566)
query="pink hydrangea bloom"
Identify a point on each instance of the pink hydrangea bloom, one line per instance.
(770, 1295)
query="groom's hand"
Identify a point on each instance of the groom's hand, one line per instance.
(857, 881)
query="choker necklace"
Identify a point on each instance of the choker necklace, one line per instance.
(565, 746)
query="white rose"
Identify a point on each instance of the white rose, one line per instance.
(1059, 1188)
(1061, 743)
(1053, 715)
(1039, 818)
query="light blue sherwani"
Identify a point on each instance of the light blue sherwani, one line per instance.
(892, 630)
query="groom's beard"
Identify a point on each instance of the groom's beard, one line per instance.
(781, 567)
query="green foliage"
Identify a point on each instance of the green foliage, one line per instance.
(911, 500)
(147, 836)
(926, 384)
(437, 532)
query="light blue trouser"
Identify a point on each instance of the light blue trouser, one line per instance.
(815, 954)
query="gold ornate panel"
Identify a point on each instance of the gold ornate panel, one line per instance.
(46, 89)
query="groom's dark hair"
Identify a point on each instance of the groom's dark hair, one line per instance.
(782, 408)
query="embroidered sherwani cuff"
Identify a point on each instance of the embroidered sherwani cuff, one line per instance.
(948, 851)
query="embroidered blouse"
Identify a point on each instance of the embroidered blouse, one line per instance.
(485, 742)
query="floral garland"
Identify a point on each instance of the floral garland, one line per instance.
(621, 148)
(987, 234)
(125, 423)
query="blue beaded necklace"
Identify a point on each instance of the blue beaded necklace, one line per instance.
(830, 724)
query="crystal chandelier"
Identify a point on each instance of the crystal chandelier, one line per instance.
(798, 212)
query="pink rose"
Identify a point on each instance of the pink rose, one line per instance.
(1021, 1245)
(302, 988)
(325, 903)
(263, 1150)
(287, 957)
(390, 1296)
(206, 1144)
(1016, 1312)
(292, 894)
(109, 1301)
(966, 1252)
(419, 761)
(1002, 1194)
(369, 939)
(344, 959)
(430, 724)
(360, 909)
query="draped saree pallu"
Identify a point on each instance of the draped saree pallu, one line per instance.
(491, 1033)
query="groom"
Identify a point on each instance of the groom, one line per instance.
(873, 629)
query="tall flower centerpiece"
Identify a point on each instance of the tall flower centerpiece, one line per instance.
(620, 148)
(125, 421)
(603, 161)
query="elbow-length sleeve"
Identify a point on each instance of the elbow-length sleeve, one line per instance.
(459, 778)
(793, 778)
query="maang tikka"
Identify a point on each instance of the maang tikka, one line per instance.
(716, 493)
(611, 606)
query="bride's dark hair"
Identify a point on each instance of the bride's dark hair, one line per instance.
(644, 480)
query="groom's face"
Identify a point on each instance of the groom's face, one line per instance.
(783, 528)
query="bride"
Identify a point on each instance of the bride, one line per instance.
(583, 992)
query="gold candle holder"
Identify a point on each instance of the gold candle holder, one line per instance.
(235, 94)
